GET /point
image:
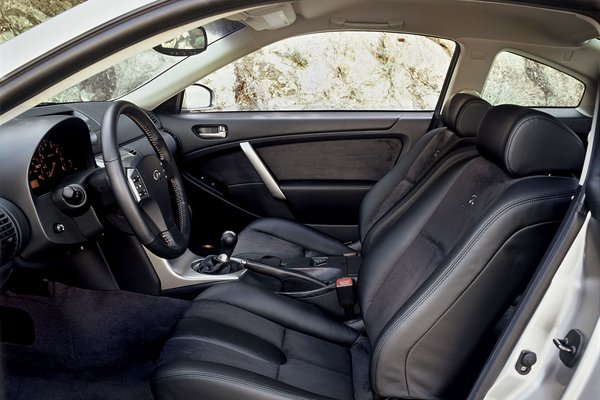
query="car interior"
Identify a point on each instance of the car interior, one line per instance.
(150, 249)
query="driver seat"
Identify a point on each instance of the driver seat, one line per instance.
(386, 201)
(428, 290)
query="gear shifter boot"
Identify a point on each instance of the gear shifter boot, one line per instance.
(216, 265)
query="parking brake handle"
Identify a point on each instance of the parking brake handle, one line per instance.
(279, 273)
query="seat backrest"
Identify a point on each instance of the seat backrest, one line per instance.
(455, 260)
(438, 149)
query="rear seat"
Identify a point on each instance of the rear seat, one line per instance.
(436, 151)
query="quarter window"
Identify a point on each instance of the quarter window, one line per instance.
(336, 71)
(514, 79)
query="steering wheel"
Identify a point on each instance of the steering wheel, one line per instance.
(149, 191)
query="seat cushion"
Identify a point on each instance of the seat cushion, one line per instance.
(286, 239)
(230, 345)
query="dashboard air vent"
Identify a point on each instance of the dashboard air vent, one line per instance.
(14, 231)
(130, 151)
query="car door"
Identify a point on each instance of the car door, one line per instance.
(303, 128)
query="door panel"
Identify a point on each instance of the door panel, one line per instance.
(324, 163)
(352, 159)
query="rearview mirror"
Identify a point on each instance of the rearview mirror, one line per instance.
(188, 44)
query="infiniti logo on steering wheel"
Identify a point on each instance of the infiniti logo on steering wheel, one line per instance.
(156, 175)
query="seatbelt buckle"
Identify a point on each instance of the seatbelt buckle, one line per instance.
(346, 295)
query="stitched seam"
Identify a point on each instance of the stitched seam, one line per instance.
(220, 378)
(270, 320)
(290, 240)
(317, 366)
(154, 142)
(278, 238)
(210, 343)
(178, 200)
(511, 138)
(401, 208)
(537, 117)
(146, 131)
(422, 185)
(448, 272)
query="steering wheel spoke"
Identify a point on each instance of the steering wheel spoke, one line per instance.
(150, 191)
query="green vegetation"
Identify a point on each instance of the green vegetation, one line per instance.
(297, 58)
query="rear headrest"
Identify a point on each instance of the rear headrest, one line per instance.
(528, 142)
(463, 114)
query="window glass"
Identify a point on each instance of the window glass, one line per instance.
(17, 16)
(130, 74)
(514, 79)
(336, 71)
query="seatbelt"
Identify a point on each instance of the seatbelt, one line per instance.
(437, 113)
(346, 295)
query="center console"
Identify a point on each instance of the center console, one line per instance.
(311, 279)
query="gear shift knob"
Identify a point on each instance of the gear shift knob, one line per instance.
(228, 241)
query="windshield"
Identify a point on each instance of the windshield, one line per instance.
(130, 74)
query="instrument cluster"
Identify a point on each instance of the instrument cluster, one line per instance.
(54, 160)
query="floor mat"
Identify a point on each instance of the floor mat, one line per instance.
(87, 344)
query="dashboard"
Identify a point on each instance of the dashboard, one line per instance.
(44, 154)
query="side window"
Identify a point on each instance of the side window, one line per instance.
(336, 71)
(514, 79)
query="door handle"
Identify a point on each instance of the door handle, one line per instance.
(210, 131)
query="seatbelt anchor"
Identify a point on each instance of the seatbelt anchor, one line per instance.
(346, 295)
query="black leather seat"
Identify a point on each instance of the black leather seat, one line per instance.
(386, 201)
(428, 290)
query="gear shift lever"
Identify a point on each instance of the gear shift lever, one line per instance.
(216, 265)
(228, 242)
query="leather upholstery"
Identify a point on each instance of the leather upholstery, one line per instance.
(517, 139)
(384, 203)
(428, 292)
(464, 113)
(238, 341)
(285, 239)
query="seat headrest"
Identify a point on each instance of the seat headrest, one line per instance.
(463, 114)
(528, 142)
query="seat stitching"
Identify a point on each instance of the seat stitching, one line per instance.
(520, 125)
(406, 314)
(276, 237)
(452, 158)
(197, 339)
(329, 239)
(360, 338)
(228, 379)
(272, 321)
(314, 365)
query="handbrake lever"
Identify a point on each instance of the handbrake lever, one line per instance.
(275, 272)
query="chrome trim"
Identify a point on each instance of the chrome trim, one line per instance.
(219, 135)
(178, 272)
(207, 132)
(132, 184)
(262, 171)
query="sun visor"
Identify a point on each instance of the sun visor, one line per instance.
(272, 17)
